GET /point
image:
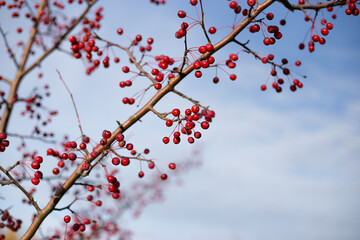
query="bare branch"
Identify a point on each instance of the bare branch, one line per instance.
(31, 137)
(13, 181)
(12, 55)
(72, 99)
(190, 99)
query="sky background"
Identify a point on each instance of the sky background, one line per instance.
(275, 166)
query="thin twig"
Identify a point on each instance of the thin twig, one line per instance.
(31, 137)
(72, 99)
(5, 80)
(190, 99)
(8, 47)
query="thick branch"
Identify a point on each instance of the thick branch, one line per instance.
(134, 118)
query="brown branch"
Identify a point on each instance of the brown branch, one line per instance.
(21, 71)
(131, 56)
(248, 50)
(189, 98)
(5, 80)
(202, 22)
(13, 181)
(39, 218)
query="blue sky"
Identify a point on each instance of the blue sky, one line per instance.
(275, 166)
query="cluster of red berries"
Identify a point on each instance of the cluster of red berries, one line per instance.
(279, 81)
(113, 187)
(315, 37)
(87, 43)
(9, 222)
(205, 63)
(4, 143)
(351, 8)
(35, 164)
(191, 116)
(77, 227)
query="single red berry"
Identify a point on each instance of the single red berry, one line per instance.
(169, 123)
(195, 109)
(67, 219)
(106, 134)
(233, 77)
(233, 4)
(172, 166)
(72, 156)
(85, 166)
(212, 30)
(72, 39)
(138, 38)
(3, 136)
(270, 16)
(120, 31)
(115, 161)
(98, 203)
(205, 125)
(151, 165)
(119, 137)
(209, 47)
(141, 174)
(56, 171)
(175, 112)
(181, 14)
(263, 87)
(202, 49)
(35, 181)
(125, 161)
(198, 74)
(163, 176)
(35, 165)
(39, 159)
(251, 3)
(38, 175)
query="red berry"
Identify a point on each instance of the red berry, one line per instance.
(125, 161)
(181, 14)
(151, 165)
(120, 31)
(233, 4)
(115, 161)
(56, 171)
(172, 166)
(176, 112)
(251, 3)
(270, 16)
(212, 30)
(163, 176)
(67, 219)
(35, 181)
(3, 136)
(205, 125)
